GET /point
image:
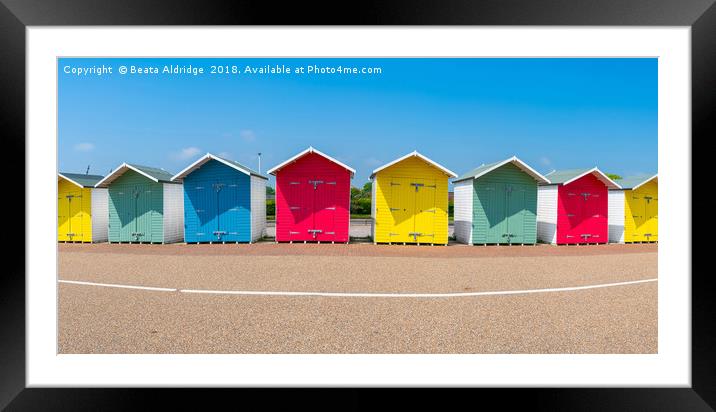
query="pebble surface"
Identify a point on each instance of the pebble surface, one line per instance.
(619, 319)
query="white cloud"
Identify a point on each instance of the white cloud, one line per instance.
(84, 147)
(226, 155)
(545, 161)
(247, 135)
(186, 153)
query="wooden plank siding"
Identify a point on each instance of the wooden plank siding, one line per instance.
(205, 213)
(121, 215)
(490, 203)
(74, 217)
(293, 224)
(409, 169)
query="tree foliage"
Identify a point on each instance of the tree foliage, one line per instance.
(361, 200)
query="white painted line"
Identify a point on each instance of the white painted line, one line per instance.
(111, 285)
(411, 295)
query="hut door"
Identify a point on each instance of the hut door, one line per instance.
(493, 198)
(651, 218)
(574, 203)
(515, 219)
(201, 195)
(299, 198)
(142, 196)
(69, 213)
(639, 212)
(123, 199)
(324, 209)
(76, 216)
(402, 206)
(63, 217)
(424, 192)
(227, 198)
(595, 209)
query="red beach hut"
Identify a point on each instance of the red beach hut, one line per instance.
(573, 207)
(312, 198)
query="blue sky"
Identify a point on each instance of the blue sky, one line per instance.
(552, 113)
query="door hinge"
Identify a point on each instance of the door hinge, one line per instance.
(331, 208)
(392, 209)
(331, 183)
(294, 207)
(394, 184)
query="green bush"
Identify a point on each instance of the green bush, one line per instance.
(360, 206)
(271, 208)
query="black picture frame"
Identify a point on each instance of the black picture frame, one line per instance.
(15, 15)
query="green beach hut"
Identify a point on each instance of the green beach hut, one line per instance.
(497, 204)
(145, 206)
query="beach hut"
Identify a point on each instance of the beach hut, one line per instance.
(312, 198)
(224, 201)
(145, 206)
(410, 201)
(633, 210)
(496, 203)
(81, 208)
(573, 207)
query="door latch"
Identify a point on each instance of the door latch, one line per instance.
(315, 183)
(417, 185)
(415, 235)
(314, 232)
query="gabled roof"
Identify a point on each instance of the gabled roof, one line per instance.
(207, 157)
(634, 182)
(564, 177)
(274, 169)
(151, 173)
(418, 155)
(485, 169)
(80, 180)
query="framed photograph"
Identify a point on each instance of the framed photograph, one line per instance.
(462, 199)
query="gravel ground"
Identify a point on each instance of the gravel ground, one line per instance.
(453, 250)
(355, 273)
(619, 319)
(104, 320)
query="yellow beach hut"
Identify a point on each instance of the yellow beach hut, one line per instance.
(82, 211)
(410, 201)
(634, 210)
